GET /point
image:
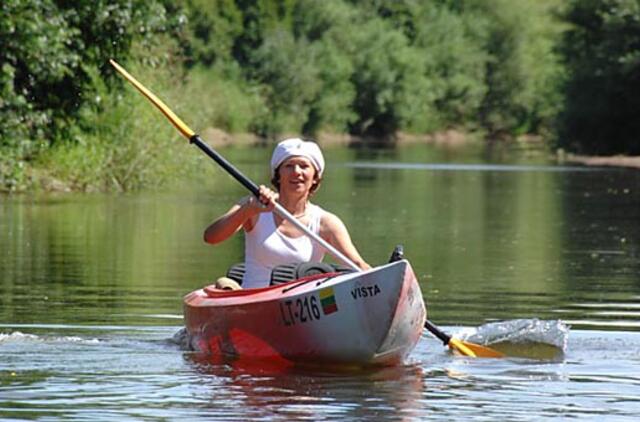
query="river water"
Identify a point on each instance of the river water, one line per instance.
(91, 288)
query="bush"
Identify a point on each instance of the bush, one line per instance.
(219, 98)
(523, 67)
(602, 54)
(290, 78)
(213, 27)
(50, 53)
(455, 64)
(125, 144)
(392, 91)
(321, 26)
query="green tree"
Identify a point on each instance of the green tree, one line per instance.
(214, 26)
(455, 64)
(260, 18)
(391, 90)
(523, 67)
(51, 52)
(304, 65)
(602, 53)
(291, 81)
(487, 63)
(322, 25)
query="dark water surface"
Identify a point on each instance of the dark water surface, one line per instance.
(91, 288)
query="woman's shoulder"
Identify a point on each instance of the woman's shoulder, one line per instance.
(320, 213)
(316, 209)
(328, 220)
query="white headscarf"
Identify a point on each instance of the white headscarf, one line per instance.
(296, 147)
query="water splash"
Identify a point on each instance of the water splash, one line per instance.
(527, 338)
(16, 336)
(19, 337)
(182, 339)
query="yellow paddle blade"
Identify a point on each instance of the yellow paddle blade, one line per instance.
(460, 347)
(175, 120)
(476, 350)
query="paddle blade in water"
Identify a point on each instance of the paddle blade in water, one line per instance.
(460, 347)
(525, 338)
(481, 351)
(530, 350)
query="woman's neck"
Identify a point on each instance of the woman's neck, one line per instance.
(297, 206)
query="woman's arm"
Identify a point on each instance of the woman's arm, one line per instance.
(333, 230)
(243, 214)
(229, 223)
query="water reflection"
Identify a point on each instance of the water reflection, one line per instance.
(485, 244)
(312, 394)
(469, 167)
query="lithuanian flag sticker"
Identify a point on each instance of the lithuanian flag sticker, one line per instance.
(328, 301)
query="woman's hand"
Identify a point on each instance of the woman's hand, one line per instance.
(243, 214)
(265, 203)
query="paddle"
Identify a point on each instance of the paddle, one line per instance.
(467, 349)
(463, 347)
(226, 165)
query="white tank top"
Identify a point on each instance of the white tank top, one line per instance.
(265, 247)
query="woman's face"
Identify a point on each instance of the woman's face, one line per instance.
(296, 175)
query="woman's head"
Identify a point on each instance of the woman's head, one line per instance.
(296, 155)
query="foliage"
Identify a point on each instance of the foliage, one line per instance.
(408, 65)
(391, 90)
(321, 26)
(455, 63)
(368, 67)
(290, 80)
(259, 19)
(125, 144)
(602, 53)
(50, 50)
(213, 27)
(219, 99)
(520, 65)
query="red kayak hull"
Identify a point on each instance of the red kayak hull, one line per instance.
(373, 317)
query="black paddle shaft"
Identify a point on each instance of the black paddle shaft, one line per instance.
(436, 332)
(230, 168)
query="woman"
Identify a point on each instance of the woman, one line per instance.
(270, 240)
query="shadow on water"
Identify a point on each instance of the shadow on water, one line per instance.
(308, 392)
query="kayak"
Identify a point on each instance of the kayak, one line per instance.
(373, 317)
(370, 317)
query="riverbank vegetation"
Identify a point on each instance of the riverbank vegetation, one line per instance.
(562, 71)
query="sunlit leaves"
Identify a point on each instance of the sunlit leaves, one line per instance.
(50, 52)
(391, 89)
